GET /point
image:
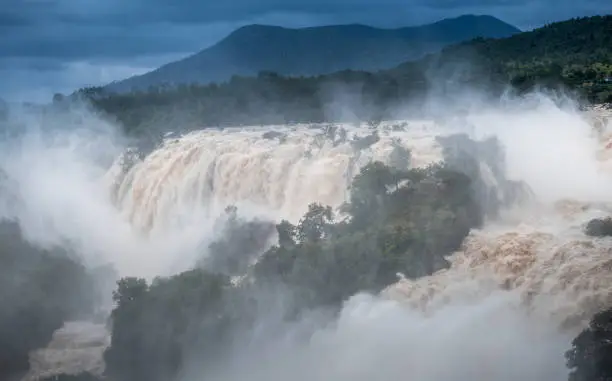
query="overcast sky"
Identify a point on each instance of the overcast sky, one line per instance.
(49, 46)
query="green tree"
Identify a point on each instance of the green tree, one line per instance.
(314, 226)
(393, 228)
(154, 325)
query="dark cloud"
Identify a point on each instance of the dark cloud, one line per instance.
(130, 12)
(80, 42)
(8, 20)
(92, 28)
(106, 37)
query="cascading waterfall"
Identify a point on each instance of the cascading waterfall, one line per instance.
(75, 347)
(531, 266)
(281, 173)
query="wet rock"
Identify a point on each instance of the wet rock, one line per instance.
(599, 227)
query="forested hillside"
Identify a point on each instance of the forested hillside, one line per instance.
(315, 50)
(575, 54)
(576, 51)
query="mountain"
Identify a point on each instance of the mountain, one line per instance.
(316, 50)
(576, 53)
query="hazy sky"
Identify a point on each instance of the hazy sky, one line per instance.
(49, 46)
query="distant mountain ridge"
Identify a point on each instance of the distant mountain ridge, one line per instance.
(316, 50)
(574, 55)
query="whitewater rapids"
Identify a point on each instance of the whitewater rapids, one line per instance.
(530, 280)
(76, 347)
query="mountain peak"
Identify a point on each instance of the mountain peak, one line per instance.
(253, 48)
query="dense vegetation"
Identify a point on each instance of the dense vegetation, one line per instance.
(154, 324)
(39, 290)
(387, 234)
(574, 54)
